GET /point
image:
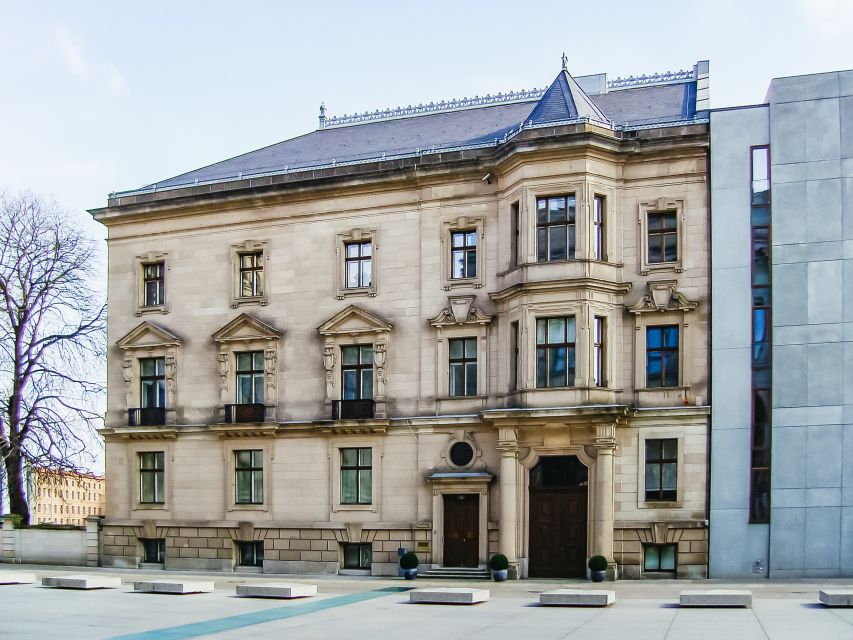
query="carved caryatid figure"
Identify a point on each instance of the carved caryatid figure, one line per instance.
(329, 366)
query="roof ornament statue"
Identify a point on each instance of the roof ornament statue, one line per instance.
(565, 61)
(322, 115)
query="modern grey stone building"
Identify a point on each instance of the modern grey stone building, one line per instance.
(782, 332)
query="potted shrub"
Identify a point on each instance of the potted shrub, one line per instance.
(499, 565)
(409, 565)
(597, 568)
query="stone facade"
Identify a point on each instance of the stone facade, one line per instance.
(303, 316)
(64, 497)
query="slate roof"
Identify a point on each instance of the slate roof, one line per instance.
(635, 107)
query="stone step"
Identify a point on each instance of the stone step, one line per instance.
(277, 590)
(716, 598)
(448, 595)
(836, 597)
(577, 598)
(454, 573)
(81, 581)
(17, 577)
(177, 587)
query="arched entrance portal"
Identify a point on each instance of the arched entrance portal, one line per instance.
(558, 516)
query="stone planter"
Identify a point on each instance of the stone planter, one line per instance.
(598, 576)
(410, 574)
(499, 576)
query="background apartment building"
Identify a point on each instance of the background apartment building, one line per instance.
(465, 328)
(782, 446)
(64, 497)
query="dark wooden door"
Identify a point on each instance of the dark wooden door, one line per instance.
(461, 530)
(558, 532)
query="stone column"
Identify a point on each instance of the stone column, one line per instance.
(508, 447)
(605, 445)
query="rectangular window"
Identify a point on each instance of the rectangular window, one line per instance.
(515, 226)
(513, 355)
(357, 372)
(598, 246)
(250, 377)
(659, 557)
(357, 556)
(464, 253)
(359, 264)
(555, 352)
(152, 382)
(251, 274)
(662, 469)
(555, 228)
(154, 550)
(154, 284)
(249, 468)
(151, 477)
(662, 356)
(251, 553)
(463, 366)
(760, 234)
(663, 237)
(357, 476)
(599, 331)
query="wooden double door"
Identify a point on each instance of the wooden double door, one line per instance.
(461, 530)
(558, 532)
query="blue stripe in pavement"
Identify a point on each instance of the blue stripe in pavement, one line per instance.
(218, 625)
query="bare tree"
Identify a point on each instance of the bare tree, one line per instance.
(52, 340)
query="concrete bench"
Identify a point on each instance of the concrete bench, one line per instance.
(17, 577)
(836, 597)
(577, 598)
(277, 590)
(448, 595)
(178, 587)
(81, 581)
(716, 598)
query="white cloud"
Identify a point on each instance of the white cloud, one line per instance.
(71, 52)
(832, 18)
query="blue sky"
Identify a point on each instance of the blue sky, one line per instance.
(98, 96)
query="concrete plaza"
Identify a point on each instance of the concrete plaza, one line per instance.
(378, 608)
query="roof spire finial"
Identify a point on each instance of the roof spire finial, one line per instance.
(322, 115)
(565, 61)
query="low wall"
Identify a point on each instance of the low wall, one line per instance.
(36, 545)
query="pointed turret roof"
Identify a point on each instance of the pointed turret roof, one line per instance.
(565, 100)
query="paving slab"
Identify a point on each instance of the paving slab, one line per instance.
(836, 597)
(178, 587)
(82, 581)
(577, 597)
(448, 595)
(277, 590)
(17, 577)
(716, 598)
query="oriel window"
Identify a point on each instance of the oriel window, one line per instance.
(599, 331)
(663, 237)
(555, 352)
(598, 246)
(252, 274)
(359, 264)
(250, 377)
(357, 475)
(249, 469)
(151, 476)
(661, 469)
(357, 372)
(555, 228)
(152, 381)
(662, 356)
(463, 366)
(154, 284)
(464, 258)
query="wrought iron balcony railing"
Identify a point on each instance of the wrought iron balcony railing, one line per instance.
(238, 413)
(352, 409)
(146, 416)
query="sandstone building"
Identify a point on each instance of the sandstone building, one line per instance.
(462, 328)
(62, 497)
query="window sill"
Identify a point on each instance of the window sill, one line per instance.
(248, 507)
(358, 291)
(354, 507)
(458, 283)
(259, 300)
(156, 308)
(150, 506)
(661, 504)
(476, 397)
(661, 266)
(653, 389)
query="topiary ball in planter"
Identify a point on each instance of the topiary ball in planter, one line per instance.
(499, 566)
(597, 568)
(409, 565)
